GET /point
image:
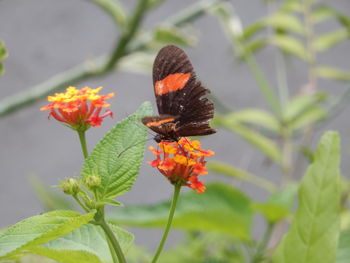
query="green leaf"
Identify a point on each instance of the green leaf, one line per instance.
(279, 204)
(262, 143)
(229, 21)
(300, 104)
(34, 259)
(115, 10)
(333, 73)
(205, 248)
(3, 51)
(343, 252)
(138, 254)
(313, 235)
(345, 219)
(344, 20)
(292, 6)
(290, 45)
(310, 116)
(49, 198)
(40, 229)
(109, 202)
(252, 47)
(118, 156)
(230, 170)
(154, 3)
(285, 21)
(253, 29)
(137, 62)
(322, 13)
(257, 117)
(87, 244)
(3, 55)
(329, 40)
(307, 153)
(220, 209)
(171, 34)
(66, 256)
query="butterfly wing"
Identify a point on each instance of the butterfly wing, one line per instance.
(163, 124)
(179, 93)
(171, 72)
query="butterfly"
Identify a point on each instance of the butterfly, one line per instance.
(183, 111)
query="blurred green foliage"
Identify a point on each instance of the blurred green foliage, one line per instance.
(3, 55)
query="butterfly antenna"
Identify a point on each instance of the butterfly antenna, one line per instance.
(129, 147)
(142, 126)
(149, 132)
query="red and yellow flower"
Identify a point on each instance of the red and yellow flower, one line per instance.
(182, 161)
(79, 108)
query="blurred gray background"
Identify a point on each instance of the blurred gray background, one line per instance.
(45, 37)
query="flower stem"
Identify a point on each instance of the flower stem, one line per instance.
(80, 203)
(111, 249)
(177, 188)
(83, 143)
(259, 255)
(112, 240)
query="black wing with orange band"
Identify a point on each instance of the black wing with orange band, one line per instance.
(179, 94)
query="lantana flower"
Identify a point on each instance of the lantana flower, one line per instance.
(79, 108)
(182, 162)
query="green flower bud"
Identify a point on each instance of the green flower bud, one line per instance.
(93, 181)
(70, 186)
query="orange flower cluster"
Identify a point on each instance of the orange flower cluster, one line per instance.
(182, 161)
(80, 109)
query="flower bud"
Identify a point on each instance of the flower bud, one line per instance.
(93, 181)
(70, 186)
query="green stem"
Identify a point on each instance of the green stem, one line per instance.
(112, 240)
(283, 89)
(111, 249)
(287, 153)
(83, 143)
(80, 203)
(260, 252)
(264, 85)
(309, 131)
(134, 23)
(309, 37)
(177, 189)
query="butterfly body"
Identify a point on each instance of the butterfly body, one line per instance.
(183, 109)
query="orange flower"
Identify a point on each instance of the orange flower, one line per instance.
(182, 161)
(80, 109)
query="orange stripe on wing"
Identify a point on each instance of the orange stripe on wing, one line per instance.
(158, 123)
(172, 82)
